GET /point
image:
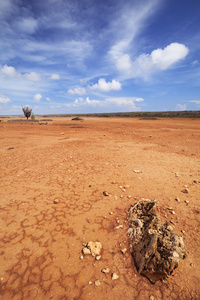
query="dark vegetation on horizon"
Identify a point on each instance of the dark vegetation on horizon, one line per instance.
(146, 115)
(149, 115)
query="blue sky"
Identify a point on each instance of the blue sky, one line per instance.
(84, 56)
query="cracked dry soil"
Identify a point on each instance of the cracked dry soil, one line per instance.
(52, 182)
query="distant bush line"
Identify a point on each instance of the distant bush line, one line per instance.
(146, 115)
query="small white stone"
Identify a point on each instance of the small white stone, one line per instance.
(98, 257)
(90, 282)
(185, 191)
(97, 283)
(123, 251)
(105, 270)
(119, 226)
(114, 276)
(86, 251)
(105, 193)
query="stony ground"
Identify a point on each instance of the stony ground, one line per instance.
(66, 183)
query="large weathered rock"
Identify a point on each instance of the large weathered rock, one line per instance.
(156, 249)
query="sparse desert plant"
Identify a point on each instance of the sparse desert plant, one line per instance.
(27, 111)
(32, 117)
(77, 119)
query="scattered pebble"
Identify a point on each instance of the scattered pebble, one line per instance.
(129, 196)
(137, 171)
(86, 251)
(98, 257)
(105, 193)
(177, 199)
(62, 133)
(105, 270)
(119, 226)
(81, 257)
(114, 276)
(151, 298)
(170, 228)
(110, 213)
(90, 282)
(11, 148)
(97, 283)
(56, 201)
(123, 251)
(185, 191)
(94, 248)
(186, 201)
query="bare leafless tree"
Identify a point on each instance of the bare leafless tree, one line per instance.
(27, 111)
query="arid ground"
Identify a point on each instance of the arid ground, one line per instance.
(52, 181)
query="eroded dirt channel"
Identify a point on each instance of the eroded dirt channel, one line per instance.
(52, 181)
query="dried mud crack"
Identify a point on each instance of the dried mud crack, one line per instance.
(59, 191)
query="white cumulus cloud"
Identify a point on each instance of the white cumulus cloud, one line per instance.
(55, 77)
(11, 72)
(4, 99)
(159, 59)
(77, 91)
(104, 86)
(124, 64)
(174, 52)
(37, 97)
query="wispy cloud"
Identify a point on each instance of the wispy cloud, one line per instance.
(197, 102)
(4, 99)
(117, 103)
(55, 77)
(181, 107)
(77, 91)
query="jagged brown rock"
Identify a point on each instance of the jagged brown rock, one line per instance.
(157, 251)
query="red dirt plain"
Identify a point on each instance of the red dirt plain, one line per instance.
(74, 162)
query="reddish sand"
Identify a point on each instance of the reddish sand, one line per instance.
(74, 162)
